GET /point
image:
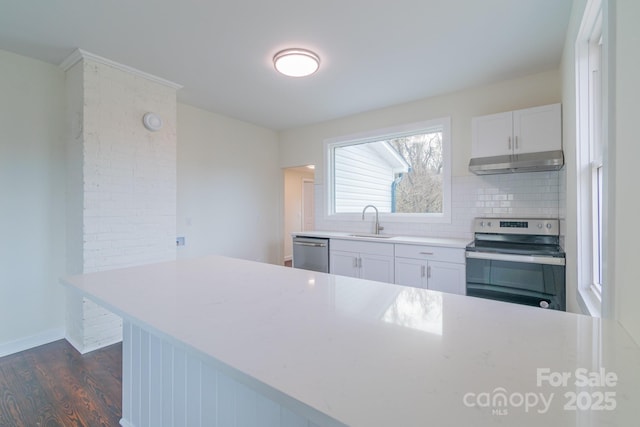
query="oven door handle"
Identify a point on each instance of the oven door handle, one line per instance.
(531, 259)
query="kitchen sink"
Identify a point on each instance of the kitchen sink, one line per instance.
(375, 236)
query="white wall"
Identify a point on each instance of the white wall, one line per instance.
(627, 154)
(129, 172)
(123, 181)
(304, 145)
(229, 187)
(569, 172)
(32, 201)
(537, 193)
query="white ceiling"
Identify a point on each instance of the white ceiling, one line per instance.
(374, 53)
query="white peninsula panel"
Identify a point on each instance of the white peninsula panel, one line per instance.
(165, 385)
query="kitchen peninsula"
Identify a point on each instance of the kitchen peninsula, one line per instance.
(226, 342)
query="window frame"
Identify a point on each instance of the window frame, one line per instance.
(596, 153)
(388, 133)
(592, 172)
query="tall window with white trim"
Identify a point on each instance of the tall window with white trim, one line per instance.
(595, 151)
(590, 149)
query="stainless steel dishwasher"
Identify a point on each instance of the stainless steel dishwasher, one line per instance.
(311, 253)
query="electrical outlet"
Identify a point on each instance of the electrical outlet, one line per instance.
(180, 241)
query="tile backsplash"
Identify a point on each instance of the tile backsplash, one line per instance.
(532, 195)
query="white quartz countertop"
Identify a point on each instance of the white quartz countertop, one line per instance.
(378, 355)
(385, 238)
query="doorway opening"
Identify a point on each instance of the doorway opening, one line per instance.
(299, 205)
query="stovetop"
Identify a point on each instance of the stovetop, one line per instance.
(520, 236)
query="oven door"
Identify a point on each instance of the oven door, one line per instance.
(522, 279)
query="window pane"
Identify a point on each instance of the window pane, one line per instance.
(420, 190)
(598, 249)
(402, 175)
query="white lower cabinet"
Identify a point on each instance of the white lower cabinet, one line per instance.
(411, 272)
(428, 267)
(377, 267)
(365, 260)
(446, 277)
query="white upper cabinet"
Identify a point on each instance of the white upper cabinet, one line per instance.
(492, 135)
(517, 132)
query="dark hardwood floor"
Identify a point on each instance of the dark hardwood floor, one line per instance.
(55, 386)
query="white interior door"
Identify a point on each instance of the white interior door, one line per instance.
(308, 221)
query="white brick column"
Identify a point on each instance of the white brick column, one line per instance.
(122, 182)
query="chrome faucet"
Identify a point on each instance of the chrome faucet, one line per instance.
(378, 227)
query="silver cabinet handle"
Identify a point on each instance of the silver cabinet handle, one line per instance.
(429, 272)
(516, 142)
(426, 253)
(509, 143)
(422, 271)
(359, 262)
(355, 262)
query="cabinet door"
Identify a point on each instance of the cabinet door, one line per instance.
(410, 272)
(376, 267)
(537, 129)
(446, 277)
(344, 263)
(491, 135)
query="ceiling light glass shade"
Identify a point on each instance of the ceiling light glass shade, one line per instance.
(296, 62)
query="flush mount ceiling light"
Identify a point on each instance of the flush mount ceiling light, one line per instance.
(296, 62)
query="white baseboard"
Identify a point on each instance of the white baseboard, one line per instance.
(75, 344)
(82, 349)
(32, 341)
(102, 344)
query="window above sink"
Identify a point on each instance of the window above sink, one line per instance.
(405, 171)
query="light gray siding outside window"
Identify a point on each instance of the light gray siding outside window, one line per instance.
(362, 176)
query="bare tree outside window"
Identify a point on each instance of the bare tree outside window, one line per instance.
(420, 189)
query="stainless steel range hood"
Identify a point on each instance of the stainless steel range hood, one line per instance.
(529, 162)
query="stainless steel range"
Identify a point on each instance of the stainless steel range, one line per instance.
(517, 260)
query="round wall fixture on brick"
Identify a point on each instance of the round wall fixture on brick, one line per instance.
(152, 121)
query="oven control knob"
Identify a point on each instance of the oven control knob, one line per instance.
(539, 225)
(481, 223)
(489, 224)
(549, 225)
(544, 304)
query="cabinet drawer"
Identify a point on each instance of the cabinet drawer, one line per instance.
(434, 253)
(373, 248)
